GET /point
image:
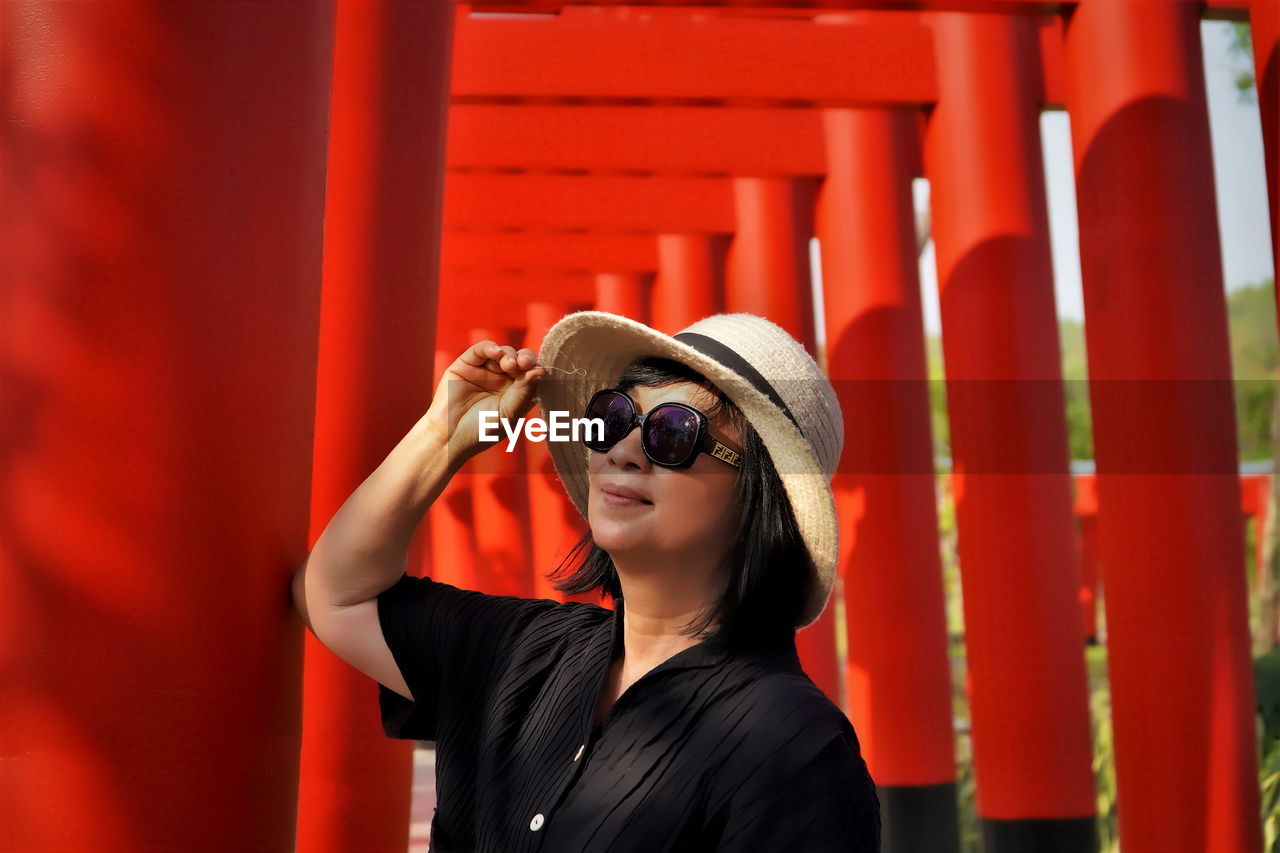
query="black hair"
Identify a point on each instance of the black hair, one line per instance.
(771, 572)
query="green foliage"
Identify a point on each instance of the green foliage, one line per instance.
(938, 396)
(1267, 680)
(1251, 313)
(1255, 365)
(1104, 774)
(966, 796)
(1251, 533)
(1241, 47)
(1269, 771)
(1075, 376)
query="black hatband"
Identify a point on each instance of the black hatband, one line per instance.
(712, 348)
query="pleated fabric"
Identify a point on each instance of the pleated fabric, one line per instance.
(716, 749)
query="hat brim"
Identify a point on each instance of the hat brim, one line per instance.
(592, 348)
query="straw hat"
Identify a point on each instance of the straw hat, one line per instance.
(757, 364)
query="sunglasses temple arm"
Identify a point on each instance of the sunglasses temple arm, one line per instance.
(721, 451)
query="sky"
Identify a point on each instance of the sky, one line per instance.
(1239, 173)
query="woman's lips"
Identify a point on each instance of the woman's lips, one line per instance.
(618, 497)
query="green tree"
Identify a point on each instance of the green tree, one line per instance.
(1241, 48)
(1075, 377)
(1255, 365)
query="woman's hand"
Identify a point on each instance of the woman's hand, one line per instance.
(486, 377)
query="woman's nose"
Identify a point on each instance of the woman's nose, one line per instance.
(628, 452)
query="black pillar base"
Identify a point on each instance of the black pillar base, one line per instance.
(918, 818)
(1039, 835)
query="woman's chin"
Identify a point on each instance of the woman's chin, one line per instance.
(620, 537)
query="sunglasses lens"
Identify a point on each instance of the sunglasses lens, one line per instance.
(670, 434)
(615, 410)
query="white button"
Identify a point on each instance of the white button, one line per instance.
(578, 754)
(536, 823)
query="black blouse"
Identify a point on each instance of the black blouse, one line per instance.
(715, 749)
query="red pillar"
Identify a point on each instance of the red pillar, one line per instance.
(897, 674)
(768, 274)
(768, 264)
(1168, 484)
(554, 523)
(157, 358)
(382, 225)
(690, 280)
(1086, 511)
(1089, 576)
(1029, 700)
(500, 504)
(1264, 21)
(1253, 506)
(625, 293)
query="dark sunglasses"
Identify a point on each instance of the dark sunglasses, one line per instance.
(671, 434)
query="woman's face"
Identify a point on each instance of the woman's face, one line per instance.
(687, 517)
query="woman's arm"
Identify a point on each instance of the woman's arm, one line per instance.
(826, 804)
(364, 549)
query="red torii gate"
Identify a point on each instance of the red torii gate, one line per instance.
(630, 253)
(738, 60)
(292, 98)
(775, 118)
(1262, 15)
(615, 86)
(489, 202)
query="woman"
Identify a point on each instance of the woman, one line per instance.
(678, 720)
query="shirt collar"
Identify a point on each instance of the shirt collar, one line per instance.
(710, 651)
